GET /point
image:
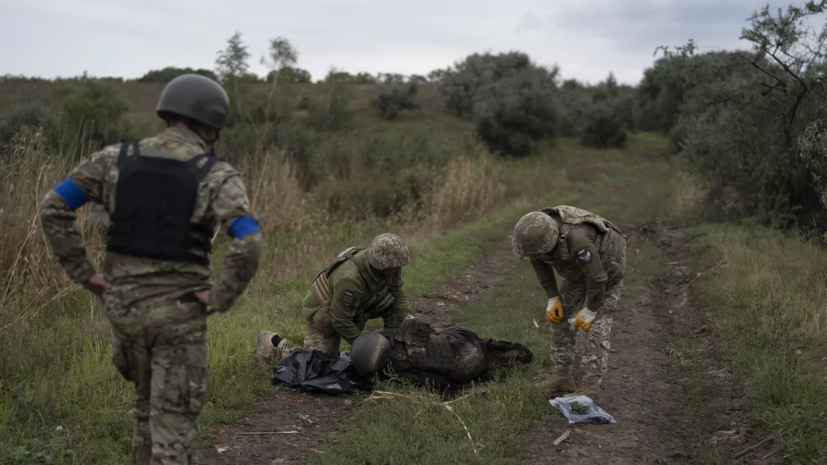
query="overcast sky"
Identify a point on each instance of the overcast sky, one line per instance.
(586, 38)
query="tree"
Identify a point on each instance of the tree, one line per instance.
(291, 74)
(231, 64)
(281, 55)
(171, 72)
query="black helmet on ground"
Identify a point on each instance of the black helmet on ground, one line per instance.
(196, 97)
(370, 353)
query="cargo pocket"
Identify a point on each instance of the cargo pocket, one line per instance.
(181, 389)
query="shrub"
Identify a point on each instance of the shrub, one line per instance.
(606, 127)
(93, 111)
(30, 114)
(390, 104)
(332, 112)
(513, 114)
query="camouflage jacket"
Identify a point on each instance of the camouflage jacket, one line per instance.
(222, 198)
(583, 254)
(357, 287)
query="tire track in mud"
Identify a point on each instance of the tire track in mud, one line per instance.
(313, 418)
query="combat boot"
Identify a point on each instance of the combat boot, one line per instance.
(265, 350)
(560, 382)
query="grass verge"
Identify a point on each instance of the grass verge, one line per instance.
(766, 296)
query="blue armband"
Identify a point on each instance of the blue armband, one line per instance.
(242, 226)
(71, 193)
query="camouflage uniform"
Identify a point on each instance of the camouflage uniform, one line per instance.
(158, 327)
(590, 256)
(349, 291)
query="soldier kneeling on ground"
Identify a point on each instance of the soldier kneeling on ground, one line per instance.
(359, 285)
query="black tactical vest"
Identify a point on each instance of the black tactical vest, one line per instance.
(154, 203)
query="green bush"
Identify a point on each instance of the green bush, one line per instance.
(93, 111)
(30, 114)
(606, 127)
(331, 111)
(515, 113)
(391, 103)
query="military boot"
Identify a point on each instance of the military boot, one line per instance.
(560, 382)
(265, 350)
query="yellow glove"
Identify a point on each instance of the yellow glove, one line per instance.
(583, 319)
(554, 310)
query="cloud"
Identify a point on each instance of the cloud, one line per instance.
(587, 38)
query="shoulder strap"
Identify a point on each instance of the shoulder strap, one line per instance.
(124, 154)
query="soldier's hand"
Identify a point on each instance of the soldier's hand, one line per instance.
(554, 310)
(583, 319)
(96, 285)
(204, 298)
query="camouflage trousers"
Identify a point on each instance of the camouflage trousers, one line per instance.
(162, 350)
(322, 337)
(592, 346)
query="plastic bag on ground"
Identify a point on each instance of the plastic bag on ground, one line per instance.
(311, 370)
(589, 413)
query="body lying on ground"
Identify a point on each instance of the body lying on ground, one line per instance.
(414, 352)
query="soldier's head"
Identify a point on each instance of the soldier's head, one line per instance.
(388, 253)
(196, 102)
(535, 234)
(370, 353)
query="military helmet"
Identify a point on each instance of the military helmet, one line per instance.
(388, 251)
(535, 233)
(196, 97)
(370, 353)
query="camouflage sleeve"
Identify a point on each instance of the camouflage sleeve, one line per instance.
(58, 217)
(545, 274)
(347, 294)
(232, 208)
(588, 259)
(401, 305)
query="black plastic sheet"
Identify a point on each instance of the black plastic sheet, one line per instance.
(311, 370)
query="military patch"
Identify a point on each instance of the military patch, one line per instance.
(348, 298)
(584, 255)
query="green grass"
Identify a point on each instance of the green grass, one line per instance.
(767, 300)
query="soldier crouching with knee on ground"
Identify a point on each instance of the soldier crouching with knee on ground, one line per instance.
(359, 285)
(165, 196)
(589, 253)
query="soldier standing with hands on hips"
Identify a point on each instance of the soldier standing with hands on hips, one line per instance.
(165, 196)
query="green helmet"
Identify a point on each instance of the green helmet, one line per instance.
(388, 251)
(535, 233)
(196, 97)
(370, 353)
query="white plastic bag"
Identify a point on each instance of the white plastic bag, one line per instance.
(591, 413)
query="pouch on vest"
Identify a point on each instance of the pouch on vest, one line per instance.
(154, 203)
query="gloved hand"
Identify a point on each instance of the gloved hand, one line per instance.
(554, 310)
(583, 319)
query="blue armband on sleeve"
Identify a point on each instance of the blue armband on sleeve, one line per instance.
(242, 226)
(71, 193)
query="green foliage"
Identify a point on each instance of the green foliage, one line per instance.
(460, 83)
(391, 103)
(93, 111)
(305, 101)
(514, 113)
(32, 114)
(743, 113)
(171, 72)
(606, 127)
(291, 74)
(661, 93)
(331, 111)
(232, 64)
